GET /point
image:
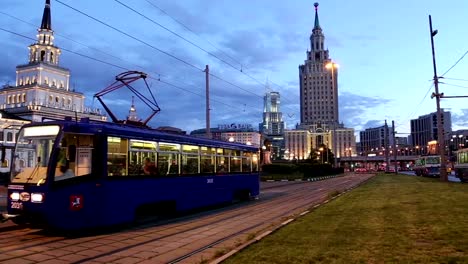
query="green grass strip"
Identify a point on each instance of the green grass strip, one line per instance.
(390, 219)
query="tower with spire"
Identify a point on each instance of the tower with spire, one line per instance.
(42, 89)
(319, 102)
(318, 91)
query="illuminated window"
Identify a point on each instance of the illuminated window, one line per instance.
(51, 98)
(8, 99)
(23, 98)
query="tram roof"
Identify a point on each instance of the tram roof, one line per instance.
(142, 133)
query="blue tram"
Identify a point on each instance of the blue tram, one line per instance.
(84, 174)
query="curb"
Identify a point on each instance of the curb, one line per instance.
(307, 179)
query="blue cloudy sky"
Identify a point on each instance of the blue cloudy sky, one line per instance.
(383, 49)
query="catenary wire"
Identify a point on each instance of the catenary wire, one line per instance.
(143, 42)
(242, 70)
(126, 69)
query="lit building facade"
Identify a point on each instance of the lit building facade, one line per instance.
(298, 144)
(241, 133)
(272, 127)
(249, 138)
(318, 80)
(42, 89)
(318, 85)
(273, 123)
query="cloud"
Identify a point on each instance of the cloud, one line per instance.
(356, 110)
(461, 119)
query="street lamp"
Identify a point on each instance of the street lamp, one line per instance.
(321, 154)
(332, 66)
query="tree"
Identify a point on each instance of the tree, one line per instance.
(322, 155)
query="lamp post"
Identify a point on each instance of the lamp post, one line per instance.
(321, 154)
(332, 66)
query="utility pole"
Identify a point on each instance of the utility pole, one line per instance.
(437, 95)
(387, 165)
(394, 147)
(207, 77)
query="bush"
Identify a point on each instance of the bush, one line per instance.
(293, 171)
(279, 168)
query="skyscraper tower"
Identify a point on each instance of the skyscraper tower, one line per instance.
(272, 117)
(318, 85)
(42, 88)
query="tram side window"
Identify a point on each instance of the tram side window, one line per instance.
(207, 164)
(189, 164)
(222, 164)
(168, 163)
(463, 157)
(246, 162)
(235, 161)
(117, 149)
(139, 152)
(255, 162)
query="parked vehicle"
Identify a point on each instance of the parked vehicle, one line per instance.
(428, 166)
(461, 165)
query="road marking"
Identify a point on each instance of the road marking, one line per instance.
(305, 212)
(287, 221)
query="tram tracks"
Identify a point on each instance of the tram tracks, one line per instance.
(156, 236)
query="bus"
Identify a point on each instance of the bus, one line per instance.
(428, 166)
(71, 175)
(461, 165)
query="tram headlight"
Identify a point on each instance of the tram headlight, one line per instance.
(15, 196)
(37, 197)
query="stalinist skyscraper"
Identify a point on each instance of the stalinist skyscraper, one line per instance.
(318, 80)
(318, 84)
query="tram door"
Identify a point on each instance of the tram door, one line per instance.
(75, 161)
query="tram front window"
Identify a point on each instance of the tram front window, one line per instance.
(32, 154)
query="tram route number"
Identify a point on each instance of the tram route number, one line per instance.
(209, 180)
(16, 205)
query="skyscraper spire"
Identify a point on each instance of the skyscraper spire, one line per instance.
(316, 24)
(46, 17)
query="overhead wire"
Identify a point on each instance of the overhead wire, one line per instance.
(87, 46)
(455, 64)
(189, 29)
(130, 36)
(143, 42)
(126, 69)
(242, 69)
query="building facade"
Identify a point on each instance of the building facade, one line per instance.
(272, 126)
(373, 139)
(318, 84)
(318, 80)
(241, 133)
(424, 128)
(298, 144)
(273, 123)
(42, 90)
